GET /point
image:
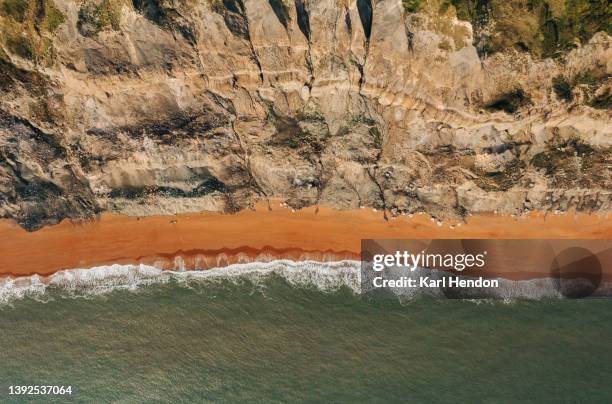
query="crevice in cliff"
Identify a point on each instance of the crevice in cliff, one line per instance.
(381, 193)
(347, 21)
(359, 67)
(253, 182)
(365, 14)
(241, 10)
(234, 17)
(377, 143)
(310, 71)
(281, 12)
(232, 205)
(322, 180)
(303, 19)
(353, 188)
(246, 163)
(255, 60)
(367, 20)
(254, 56)
(166, 17)
(236, 21)
(409, 39)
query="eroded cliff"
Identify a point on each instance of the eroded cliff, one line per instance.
(157, 107)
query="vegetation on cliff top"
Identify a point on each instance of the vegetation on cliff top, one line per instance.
(94, 18)
(545, 28)
(26, 27)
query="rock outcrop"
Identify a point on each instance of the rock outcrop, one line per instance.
(160, 106)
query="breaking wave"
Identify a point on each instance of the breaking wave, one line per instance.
(324, 276)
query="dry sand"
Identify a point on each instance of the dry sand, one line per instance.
(207, 240)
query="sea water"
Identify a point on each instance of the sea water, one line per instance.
(294, 332)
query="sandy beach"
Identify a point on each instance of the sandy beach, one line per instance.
(205, 240)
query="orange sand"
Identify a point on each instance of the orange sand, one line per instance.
(212, 239)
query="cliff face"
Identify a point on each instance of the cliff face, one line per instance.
(151, 107)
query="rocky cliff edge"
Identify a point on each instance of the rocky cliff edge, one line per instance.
(158, 107)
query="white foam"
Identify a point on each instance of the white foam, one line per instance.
(324, 276)
(18, 288)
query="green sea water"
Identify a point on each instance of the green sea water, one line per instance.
(272, 340)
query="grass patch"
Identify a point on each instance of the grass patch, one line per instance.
(441, 19)
(20, 45)
(15, 9)
(411, 6)
(53, 17)
(41, 15)
(96, 18)
(27, 27)
(545, 28)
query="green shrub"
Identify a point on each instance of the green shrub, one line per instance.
(562, 88)
(15, 9)
(53, 17)
(20, 45)
(109, 14)
(411, 6)
(25, 32)
(93, 19)
(545, 28)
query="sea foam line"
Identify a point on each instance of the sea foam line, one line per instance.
(324, 276)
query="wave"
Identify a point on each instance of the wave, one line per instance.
(324, 276)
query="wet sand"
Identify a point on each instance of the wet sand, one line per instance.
(204, 240)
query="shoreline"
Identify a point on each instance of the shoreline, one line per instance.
(205, 240)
